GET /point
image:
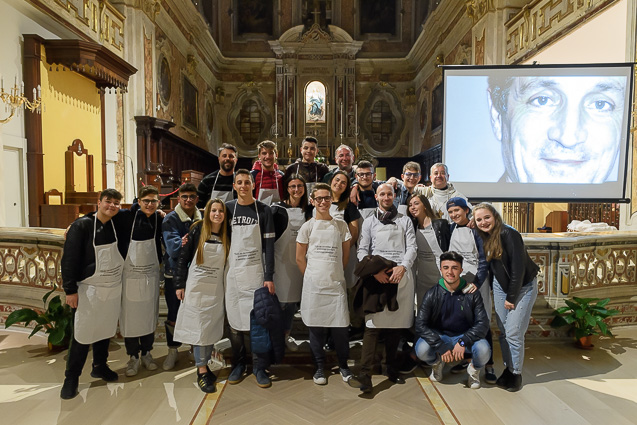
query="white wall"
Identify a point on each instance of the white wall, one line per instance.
(16, 18)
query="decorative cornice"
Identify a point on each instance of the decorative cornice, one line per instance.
(315, 35)
(92, 60)
(541, 21)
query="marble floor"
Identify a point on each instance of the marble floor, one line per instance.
(563, 385)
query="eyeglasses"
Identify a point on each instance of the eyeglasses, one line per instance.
(188, 197)
(364, 175)
(321, 199)
(149, 201)
(411, 175)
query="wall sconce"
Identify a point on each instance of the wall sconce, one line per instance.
(15, 100)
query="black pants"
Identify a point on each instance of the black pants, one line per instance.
(139, 343)
(238, 344)
(79, 352)
(173, 307)
(368, 353)
(341, 343)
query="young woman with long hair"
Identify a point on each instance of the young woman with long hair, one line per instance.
(199, 285)
(514, 277)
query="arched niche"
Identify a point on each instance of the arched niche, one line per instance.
(385, 102)
(249, 100)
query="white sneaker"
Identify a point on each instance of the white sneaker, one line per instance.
(148, 362)
(290, 343)
(171, 359)
(319, 377)
(473, 380)
(346, 374)
(436, 370)
(132, 367)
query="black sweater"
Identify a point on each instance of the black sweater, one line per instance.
(187, 256)
(78, 258)
(515, 269)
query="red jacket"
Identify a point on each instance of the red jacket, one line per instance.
(266, 179)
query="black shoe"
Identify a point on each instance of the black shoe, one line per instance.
(206, 382)
(104, 372)
(515, 383)
(489, 375)
(504, 380)
(460, 367)
(69, 388)
(395, 378)
(408, 366)
(362, 382)
(236, 375)
(356, 334)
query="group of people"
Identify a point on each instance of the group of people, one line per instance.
(348, 251)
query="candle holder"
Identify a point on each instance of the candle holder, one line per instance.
(15, 101)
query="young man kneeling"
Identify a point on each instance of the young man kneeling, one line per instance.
(452, 321)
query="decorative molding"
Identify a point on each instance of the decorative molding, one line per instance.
(477, 9)
(541, 21)
(315, 35)
(96, 20)
(151, 8)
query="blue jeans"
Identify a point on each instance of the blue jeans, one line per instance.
(514, 323)
(480, 350)
(202, 354)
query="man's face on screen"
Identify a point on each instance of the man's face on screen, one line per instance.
(561, 129)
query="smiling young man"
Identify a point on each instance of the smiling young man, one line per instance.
(313, 172)
(250, 266)
(92, 280)
(139, 239)
(218, 184)
(410, 179)
(451, 322)
(388, 234)
(174, 228)
(268, 180)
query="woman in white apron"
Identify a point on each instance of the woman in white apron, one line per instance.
(321, 254)
(140, 280)
(288, 217)
(199, 285)
(432, 238)
(475, 269)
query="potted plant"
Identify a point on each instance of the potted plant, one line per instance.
(586, 318)
(55, 319)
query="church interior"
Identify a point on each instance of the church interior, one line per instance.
(121, 94)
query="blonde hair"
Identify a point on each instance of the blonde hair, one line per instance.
(206, 230)
(492, 240)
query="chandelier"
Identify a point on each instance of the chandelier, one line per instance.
(14, 100)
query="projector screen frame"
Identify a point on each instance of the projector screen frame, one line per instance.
(630, 67)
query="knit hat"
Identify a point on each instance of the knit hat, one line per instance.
(458, 202)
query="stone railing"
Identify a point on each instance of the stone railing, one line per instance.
(584, 265)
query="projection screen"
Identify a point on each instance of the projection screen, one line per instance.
(538, 132)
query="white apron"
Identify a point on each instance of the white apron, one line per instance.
(140, 288)
(244, 273)
(100, 295)
(427, 264)
(350, 277)
(200, 316)
(224, 195)
(402, 209)
(269, 196)
(288, 279)
(390, 244)
(365, 213)
(324, 299)
(464, 243)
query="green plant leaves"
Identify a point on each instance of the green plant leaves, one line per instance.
(584, 315)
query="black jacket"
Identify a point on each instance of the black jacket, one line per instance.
(429, 327)
(516, 268)
(371, 296)
(145, 228)
(78, 257)
(268, 315)
(441, 230)
(186, 256)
